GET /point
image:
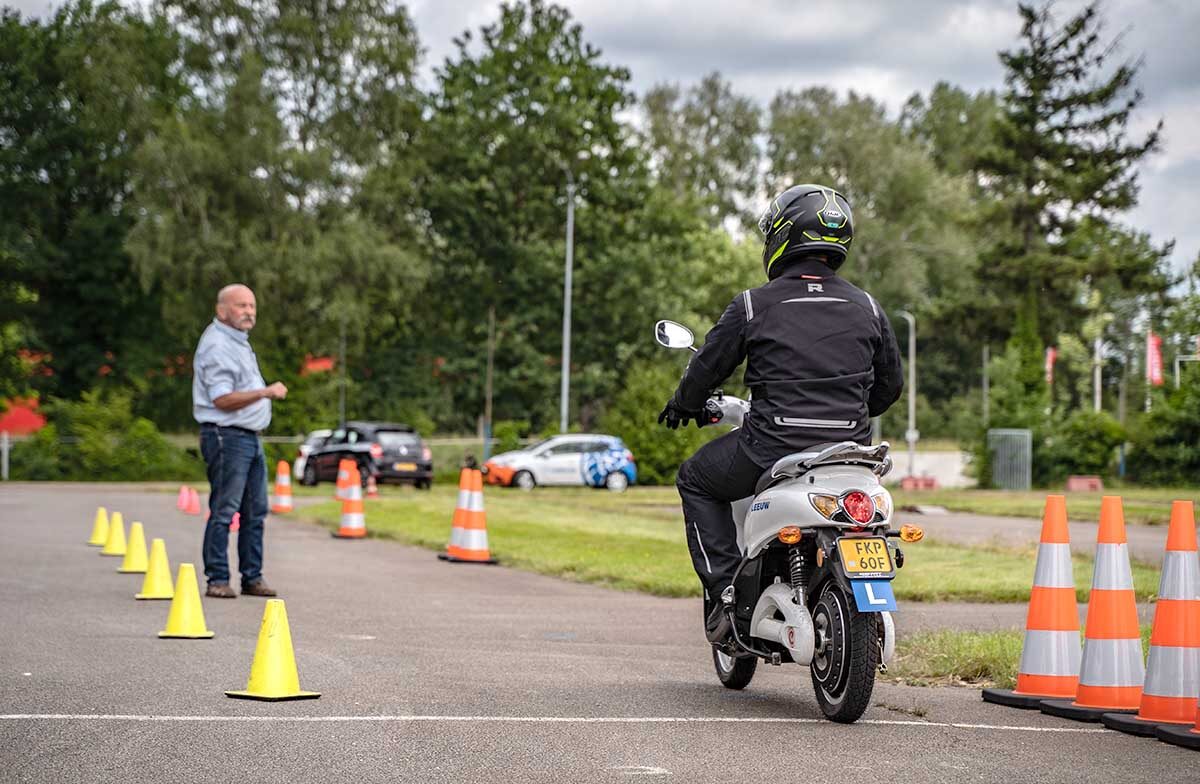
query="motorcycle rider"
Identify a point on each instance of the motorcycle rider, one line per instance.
(821, 361)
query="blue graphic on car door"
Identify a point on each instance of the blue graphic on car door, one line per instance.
(596, 466)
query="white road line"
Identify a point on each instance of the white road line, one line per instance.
(530, 720)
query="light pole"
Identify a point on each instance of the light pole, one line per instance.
(565, 390)
(912, 435)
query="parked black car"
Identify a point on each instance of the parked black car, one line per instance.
(392, 452)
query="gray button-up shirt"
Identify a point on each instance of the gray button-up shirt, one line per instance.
(225, 363)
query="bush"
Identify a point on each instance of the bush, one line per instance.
(633, 417)
(39, 458)
(1166, 444)
(1083, 444)
(98, 438)
(508, 434)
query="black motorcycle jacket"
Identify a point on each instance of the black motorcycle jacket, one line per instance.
(821, 361)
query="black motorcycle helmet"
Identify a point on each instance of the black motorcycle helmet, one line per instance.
(806, 220)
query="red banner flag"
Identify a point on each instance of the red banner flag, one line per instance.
(1051, 356)
(1154, 363)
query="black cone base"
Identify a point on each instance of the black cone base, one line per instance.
(1066, 709)
(1012, 699)
(452, 559)
(1125, 722)
(1181, 735)
(302, 695)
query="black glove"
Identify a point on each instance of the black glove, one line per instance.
(672, 415)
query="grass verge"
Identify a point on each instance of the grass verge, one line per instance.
(634, 541)
(981, 659)
(1148, 506)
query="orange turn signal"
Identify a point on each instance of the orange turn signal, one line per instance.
(911, 533)
(790, 535)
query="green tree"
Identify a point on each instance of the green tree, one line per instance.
(909, 245)
(79, 92)
(273, 173)
(953, 125)
(516, 108)
(1062, 155)
(704, 141)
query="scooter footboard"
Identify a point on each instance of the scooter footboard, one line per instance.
(794, 632)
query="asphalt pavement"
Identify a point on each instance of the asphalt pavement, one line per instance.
(434, 672)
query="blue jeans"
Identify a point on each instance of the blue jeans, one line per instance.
(237, 473)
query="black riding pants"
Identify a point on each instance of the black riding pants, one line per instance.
(709, 481)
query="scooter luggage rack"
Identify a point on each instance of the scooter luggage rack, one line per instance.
(842, 453)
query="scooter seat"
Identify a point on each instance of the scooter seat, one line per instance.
(790, 466)
(847, 452)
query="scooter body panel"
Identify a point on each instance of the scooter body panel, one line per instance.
(788, 503)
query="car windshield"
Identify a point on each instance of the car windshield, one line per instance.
(390, 438)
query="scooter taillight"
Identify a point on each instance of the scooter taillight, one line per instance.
(859, 506)
(376, 451)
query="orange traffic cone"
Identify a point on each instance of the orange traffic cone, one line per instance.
(468, 534)
(354, 522)
(1050, 656)
(343, 478)
(372, 488)
(193, 502)
(1111, 670)
(181, 501)
(1173, 669)
(282, 500)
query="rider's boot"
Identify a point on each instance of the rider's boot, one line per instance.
(718, 627)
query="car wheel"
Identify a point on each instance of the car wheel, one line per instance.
(616, 481)
(310, 475)
(423, 484)
(524, 480)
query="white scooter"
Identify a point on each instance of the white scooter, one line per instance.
(814, 584)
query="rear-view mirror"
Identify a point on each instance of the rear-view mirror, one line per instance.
(673, 335)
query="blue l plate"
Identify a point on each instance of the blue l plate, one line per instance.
(873, 595)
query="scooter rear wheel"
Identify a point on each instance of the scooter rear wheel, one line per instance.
(734, 672)
(846, 656)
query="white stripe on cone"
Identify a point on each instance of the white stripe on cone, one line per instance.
(1173, 672)
(1112, 568)
(1112, 663)
(1180, 576)
(1050, 653)
(1054, 567)
(469, 538)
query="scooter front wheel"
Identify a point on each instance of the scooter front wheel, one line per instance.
(846, 655)
(734, 672)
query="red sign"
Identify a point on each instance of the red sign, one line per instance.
(21, 416)
(1051, 355)
(1154, 364)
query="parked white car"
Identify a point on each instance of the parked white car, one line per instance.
(586, 459)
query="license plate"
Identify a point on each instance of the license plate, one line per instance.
(405, 466)
(865, 556)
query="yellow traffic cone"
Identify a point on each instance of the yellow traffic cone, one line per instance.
(135, 554)
(157, 582)
(115, 543)
(99, 528)
(273, 675)
(186, 618)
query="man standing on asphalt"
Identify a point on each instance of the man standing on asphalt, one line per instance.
(232, 403)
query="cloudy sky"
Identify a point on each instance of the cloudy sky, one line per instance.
(886, 49)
